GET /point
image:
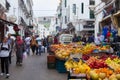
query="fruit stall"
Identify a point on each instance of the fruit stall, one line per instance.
(86, 62)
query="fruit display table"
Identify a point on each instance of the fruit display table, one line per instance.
(91, 60)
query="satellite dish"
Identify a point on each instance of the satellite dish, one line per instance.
(12, 18)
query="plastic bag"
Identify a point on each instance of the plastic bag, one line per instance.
(25, 55)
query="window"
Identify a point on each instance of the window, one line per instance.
(74, 9)
(44, 18)
(56, 21)
(65, 3)
(92, 2)
(82, 8)
(65, 19)
(92, 16)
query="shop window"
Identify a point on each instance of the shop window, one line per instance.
(82, 8)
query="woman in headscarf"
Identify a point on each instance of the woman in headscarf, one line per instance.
(19, 50)
(4, 56)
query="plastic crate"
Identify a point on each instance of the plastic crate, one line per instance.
(60, 66)
(51, 65)
(51, 59)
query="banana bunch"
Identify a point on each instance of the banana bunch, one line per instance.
(77, 67)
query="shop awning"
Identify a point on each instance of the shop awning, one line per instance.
(7, 22)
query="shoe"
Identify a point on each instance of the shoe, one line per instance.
(1, 74)
(20, 64)
(7, 75)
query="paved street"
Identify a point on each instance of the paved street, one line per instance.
(34, 68)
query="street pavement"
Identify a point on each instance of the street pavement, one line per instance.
(34, 68)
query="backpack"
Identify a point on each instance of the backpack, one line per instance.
(5, 52)
(8, 46)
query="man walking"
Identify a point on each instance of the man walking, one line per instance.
(11, 43)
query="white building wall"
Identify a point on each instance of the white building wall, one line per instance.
(52, 28)
(98, 15)
(16, 10)
(64, 13)
(13, 10)
(78, 18)
(2, 2)
(42, 31)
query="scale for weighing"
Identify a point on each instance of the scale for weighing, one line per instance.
(65, 38)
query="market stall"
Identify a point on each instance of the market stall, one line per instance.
(87, 62)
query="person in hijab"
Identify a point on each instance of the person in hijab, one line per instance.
(4, 56)
(19, 50)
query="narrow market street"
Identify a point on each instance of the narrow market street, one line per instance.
(34, 68)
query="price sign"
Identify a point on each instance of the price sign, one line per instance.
(77, 55)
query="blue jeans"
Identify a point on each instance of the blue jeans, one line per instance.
(39, 49)
(28, 49)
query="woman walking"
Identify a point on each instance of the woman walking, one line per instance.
(34, 45)
(4, 56)
(19, 50)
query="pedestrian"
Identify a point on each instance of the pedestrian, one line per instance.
(97, 40)
(27, 43)
(90, 38)
(75, 38)
(84, 39)
(11, 43)
(56, 40)
(20, 48)
(33, 45)
(38, 49)
(4, 56)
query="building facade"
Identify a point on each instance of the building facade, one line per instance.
(4, 8)
(22, 10)
(76, 16)
(107, 14)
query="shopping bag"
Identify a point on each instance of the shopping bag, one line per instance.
(25, 55)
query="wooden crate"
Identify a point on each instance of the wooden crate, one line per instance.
(51, 59)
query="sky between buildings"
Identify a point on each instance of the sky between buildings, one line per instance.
(45, 7)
